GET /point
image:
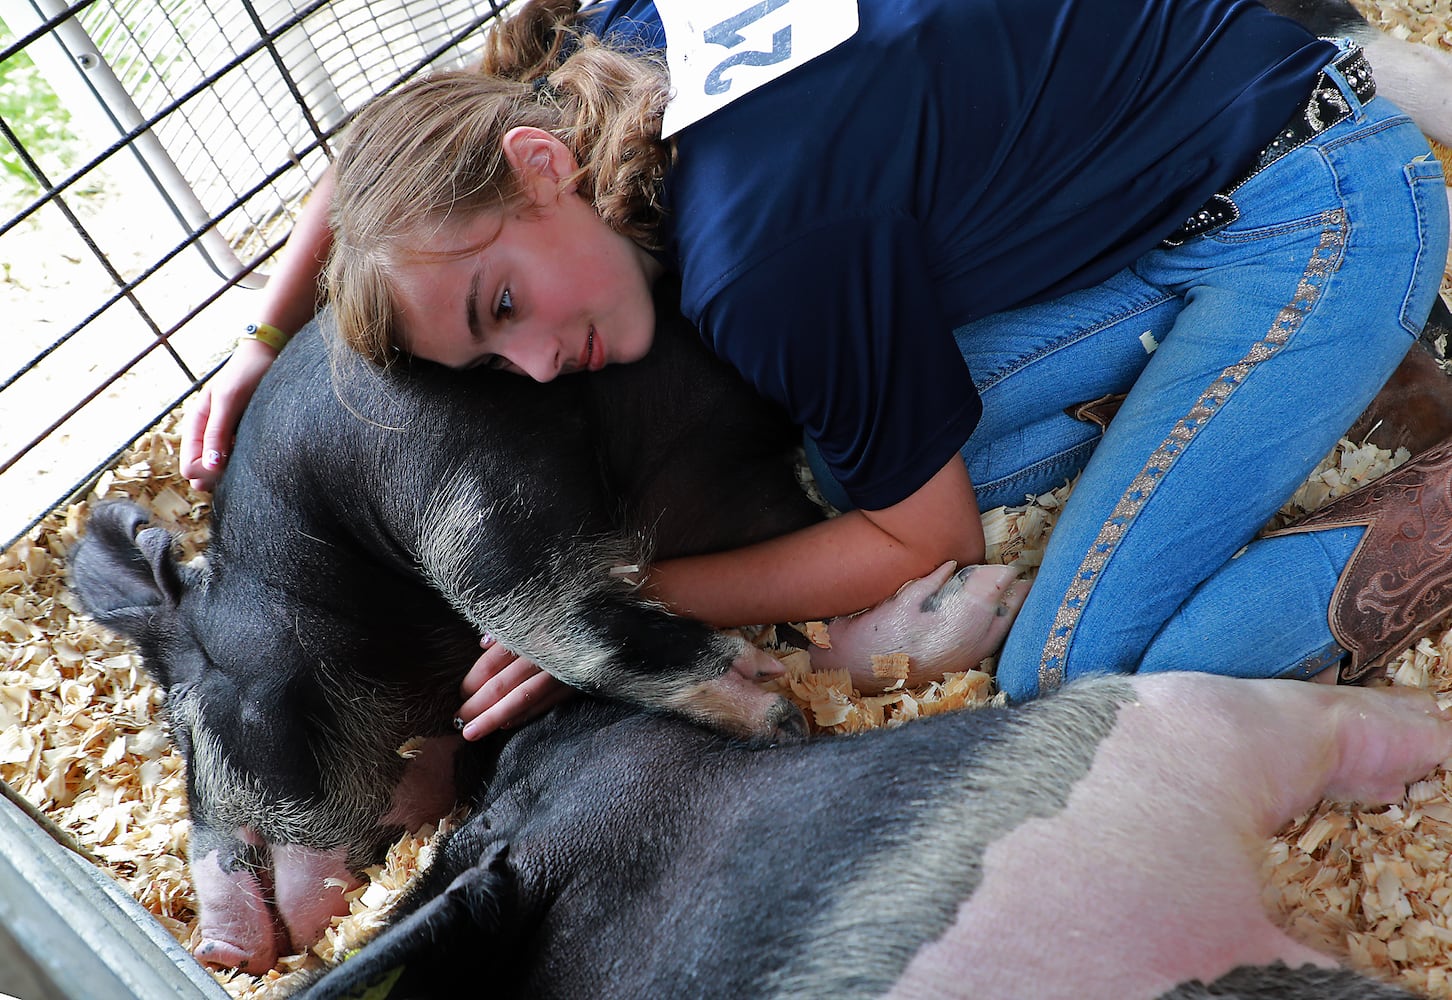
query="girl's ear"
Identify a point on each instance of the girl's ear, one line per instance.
(544, 165)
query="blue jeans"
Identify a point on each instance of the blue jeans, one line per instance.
(1246, 353)
(1272, 335)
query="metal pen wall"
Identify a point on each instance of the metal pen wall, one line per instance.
(130, 253)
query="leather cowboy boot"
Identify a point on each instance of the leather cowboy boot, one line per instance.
(1397, 586)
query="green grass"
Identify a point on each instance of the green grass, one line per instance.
(34, 113)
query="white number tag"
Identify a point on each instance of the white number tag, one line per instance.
(718, 50)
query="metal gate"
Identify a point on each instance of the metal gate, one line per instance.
(134, 236)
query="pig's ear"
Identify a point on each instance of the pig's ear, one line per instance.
(124, 573)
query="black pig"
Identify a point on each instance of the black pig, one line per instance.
(369, 528)
(373, 526)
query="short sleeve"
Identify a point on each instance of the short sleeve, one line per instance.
(843, 328)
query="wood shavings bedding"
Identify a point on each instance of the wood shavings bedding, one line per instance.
(82, 739)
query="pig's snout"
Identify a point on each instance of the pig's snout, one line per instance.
(246, 925)
(237, 927)
(949, 620)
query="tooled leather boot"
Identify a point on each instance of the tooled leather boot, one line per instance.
(1397, 586)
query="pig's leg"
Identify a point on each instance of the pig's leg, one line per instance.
(945, 621)
(426, 791)
(310, 888)
(310, 885)
(236, 925)
(1151, 876)
(561, 604)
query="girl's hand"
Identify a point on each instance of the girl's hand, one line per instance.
(210, 424)
(502, 690)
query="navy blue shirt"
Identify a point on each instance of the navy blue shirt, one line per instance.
(953, 159)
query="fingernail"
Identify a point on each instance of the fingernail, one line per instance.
(212, 459)
(486, 638)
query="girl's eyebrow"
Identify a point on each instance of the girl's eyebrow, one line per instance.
(471, 306)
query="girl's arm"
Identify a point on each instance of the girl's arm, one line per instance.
(833, 568)
(290, 300)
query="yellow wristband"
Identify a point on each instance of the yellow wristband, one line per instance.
(268, 334)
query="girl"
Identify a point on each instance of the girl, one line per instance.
(926, 240)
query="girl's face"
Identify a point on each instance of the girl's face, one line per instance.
(543, 290)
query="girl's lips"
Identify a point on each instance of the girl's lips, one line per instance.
(594, 352)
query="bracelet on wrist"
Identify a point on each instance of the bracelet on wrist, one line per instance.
(268, 334)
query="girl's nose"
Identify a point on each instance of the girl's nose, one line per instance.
(537, 356)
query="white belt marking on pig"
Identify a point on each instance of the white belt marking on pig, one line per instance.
(545, 617)
(1157, 885)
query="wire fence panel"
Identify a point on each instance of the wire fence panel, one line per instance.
(155, 155)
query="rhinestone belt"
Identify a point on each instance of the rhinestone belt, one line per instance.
(1326, 107)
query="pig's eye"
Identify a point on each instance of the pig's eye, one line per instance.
(505, 309)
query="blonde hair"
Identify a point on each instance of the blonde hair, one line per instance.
(432, 151)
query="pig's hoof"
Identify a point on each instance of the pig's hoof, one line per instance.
(739, 707)
(788, 724)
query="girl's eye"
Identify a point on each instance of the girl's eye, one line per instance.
(495, 363)
(506, 305)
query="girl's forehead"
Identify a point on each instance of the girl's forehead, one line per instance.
(459, 235)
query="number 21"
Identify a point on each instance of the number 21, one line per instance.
(727, 34)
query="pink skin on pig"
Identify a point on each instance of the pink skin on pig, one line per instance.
(311, 886)
(1152, 874)
(236, 925)
(426, 792)
(945, 621)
